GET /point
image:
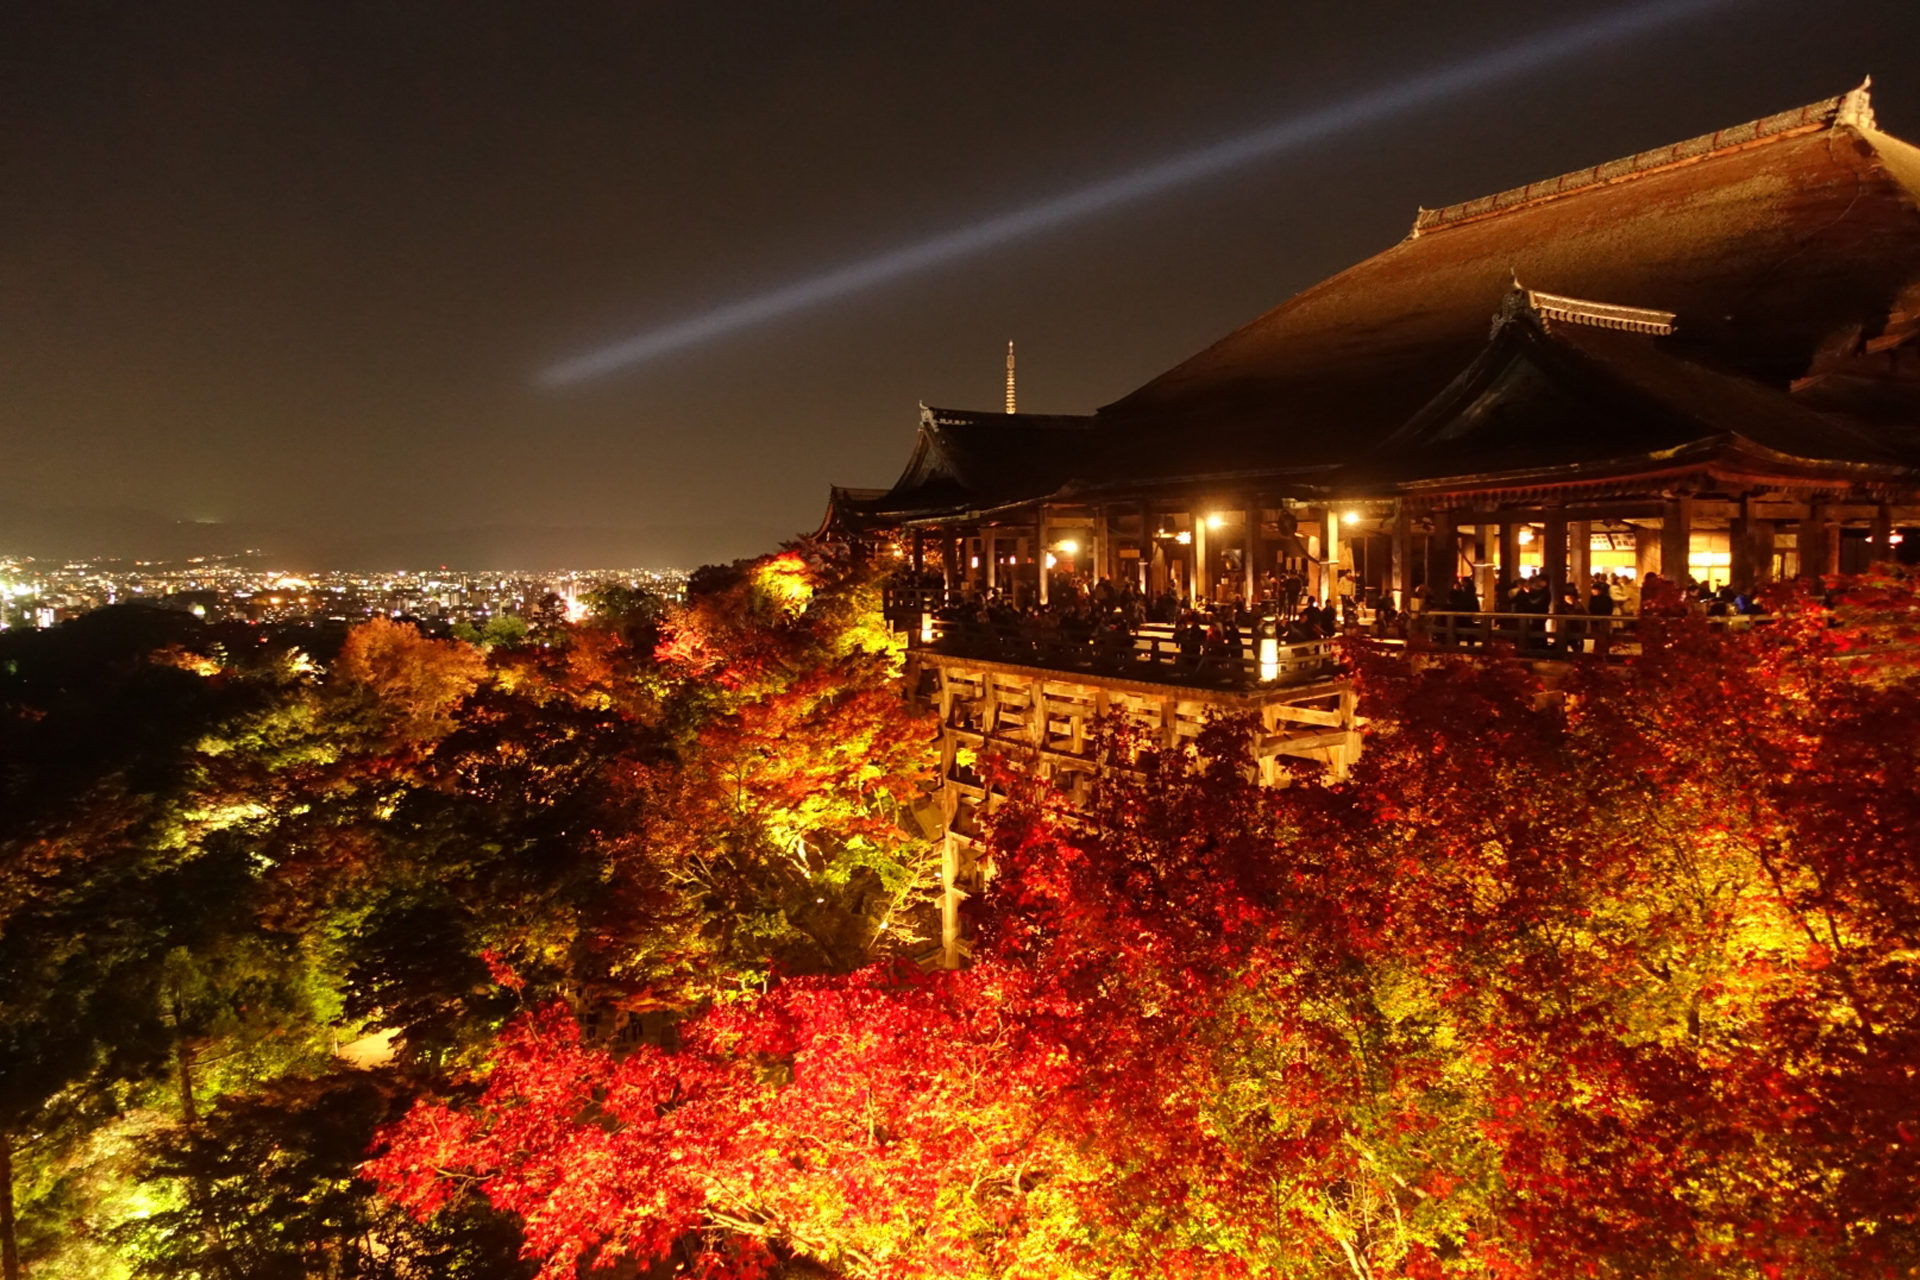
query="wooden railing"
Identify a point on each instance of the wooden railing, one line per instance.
(1148, 652)
(1545, 635)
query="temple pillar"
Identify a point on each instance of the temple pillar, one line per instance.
(1250, 567)
(990, 557)
(1402, 555)
(1201, 587)
(1483, 565)
(1553, 558)
(1329, 556)
(1102, 545)
(1819, 549)
(1880, 539)
(1580, 556)
(1443, 558)
(1147, 544)
(1676, 540)
(1509, 553)
(1040, 552)
(1743, 569)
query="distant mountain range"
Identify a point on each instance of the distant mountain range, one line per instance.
(75, 533)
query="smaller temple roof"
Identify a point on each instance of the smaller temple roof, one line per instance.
(968, 461)
(1568, 383)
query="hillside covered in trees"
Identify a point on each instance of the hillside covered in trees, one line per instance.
(604, 950)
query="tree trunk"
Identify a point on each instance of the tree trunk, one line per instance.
(9, 1246)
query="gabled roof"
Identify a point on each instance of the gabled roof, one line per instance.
(1565, 386)
(1771, 241)
(968, 461)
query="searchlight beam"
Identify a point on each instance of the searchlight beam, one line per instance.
(1506, 63)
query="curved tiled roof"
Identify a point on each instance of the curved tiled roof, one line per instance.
(1771, 244)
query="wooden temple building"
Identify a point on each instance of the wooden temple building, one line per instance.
(1701, 361)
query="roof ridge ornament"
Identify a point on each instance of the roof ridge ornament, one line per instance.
(1853, 109)
(1856, 108)
(1548, 309)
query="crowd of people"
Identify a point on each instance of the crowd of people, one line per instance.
(1105, 625)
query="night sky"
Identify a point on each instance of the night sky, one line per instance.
(296, 269)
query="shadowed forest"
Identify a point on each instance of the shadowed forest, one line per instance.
(605, 949)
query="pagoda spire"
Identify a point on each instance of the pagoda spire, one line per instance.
(1009, 377)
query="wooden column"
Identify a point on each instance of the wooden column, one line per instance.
(1818, 547)
(1580, 556)
(1402, 555)
(1880, 540)
(1553, 557)
(1040, 552)
(1742, 572)
(1101, 566)
(1199, 577)
(1250, 568)
(919, 557)
(1329, 555)
(1676, 539)
(1147, 544)
(947, 583)
(990, 556)
(1484, 551)
(1443, 558)
(1509, 553)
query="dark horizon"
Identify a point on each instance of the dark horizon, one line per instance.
(288, 279)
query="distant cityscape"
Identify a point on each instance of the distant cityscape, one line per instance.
(242, 588)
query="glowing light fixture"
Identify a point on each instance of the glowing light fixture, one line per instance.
(1526, 534)
(926, 628)
(1183, 537)
(1050, 560)
(1351, 517)
(1269, 658)
(1067, 547)
(1215, 520)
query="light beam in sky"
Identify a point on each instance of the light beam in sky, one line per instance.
(1516, 59)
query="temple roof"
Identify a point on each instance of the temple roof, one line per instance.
(1772, 242)
(967, 461)
(1567, 387)
(1755, 289)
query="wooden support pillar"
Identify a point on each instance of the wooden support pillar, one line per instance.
(948, 585)
(990, 556)
(1484, 551)
(1147, 544)
(1100, 566)
(1580, 556)
(1880, 540)
(1040, 552)
(1819, 549)
(1250, 566)
(919, 557)
(1329, 556)
(1742, 572)
(950, 895)
(1510, 553)
(1443, 558)
(1676, 540)
(1199, 579)
(1553, 558)
(1402, 555)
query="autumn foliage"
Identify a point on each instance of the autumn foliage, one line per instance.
(1607, 971)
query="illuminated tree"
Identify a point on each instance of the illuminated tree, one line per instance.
(1612, 979)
